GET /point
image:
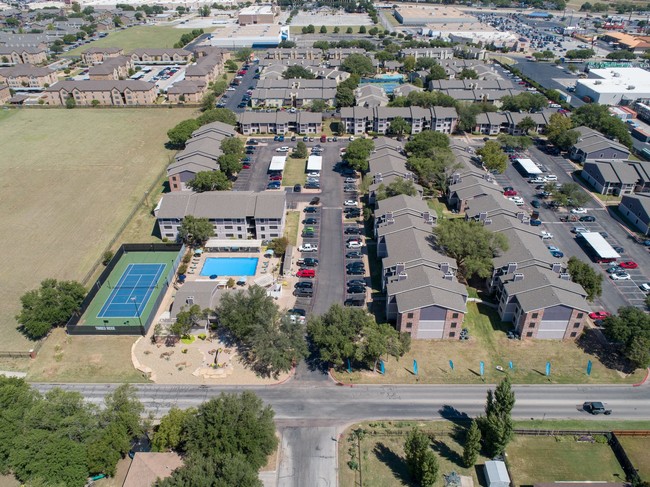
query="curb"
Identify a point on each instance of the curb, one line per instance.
(647, 374)
(284, 381)
(336, 381)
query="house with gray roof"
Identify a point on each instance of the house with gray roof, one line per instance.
(494, 123)
(610, 177)
(593, 145)
(390, 208)
(397, 224)
(636, 210)
(152, 55)
(234, 214)
(205, 294)
(405, 89)
(387, 143)
(489, 206)
(370, 96)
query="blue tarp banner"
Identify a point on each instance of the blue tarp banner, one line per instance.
(548, 369)
(482, 366)
(451, 364)
(415, 367)
(381, 366)
(589, 367)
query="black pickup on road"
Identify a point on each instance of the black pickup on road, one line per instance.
(595, 407)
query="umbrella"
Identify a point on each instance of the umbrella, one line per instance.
(269, 253)
(198, 251)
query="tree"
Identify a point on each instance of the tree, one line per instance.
(348, 30)
(472, 245)
(168, 434)
(543, 55)
(244, 54)
(358, 64)
(570, 194)
(323, 29)
(472, 445)
(583, 274)
(318, 106)
(232, 145)
(399, 126)
(493, 157)
(375, 340)
(217, 115)
(301, 150)
(337, 29)
(579, 54)
(16, 400)
(323, 45)
(277, 347)
(344, 97)
(559, 132)
(188, 319)
(205, 11)
(467, 73)
(286, 44)
(598, 118)
(424, 63)
(357, 153)
(215, 470)
(70, 102)
(76, 8)
(50, 305)
(232, 424)
(524, 102)
(279, 246)
(514, 141)
(208, 101)
(298, 71)
(69, 39)
(231, 65)
(432, 172)
(397, 187)
(219, 87)
(426, 143)
(182, 132)
(437, 72)
(195, 231)
(362, 29)
(229, 164)
(622, 54)
(420, 459)
(497, 427)
(408, 64)
(526, 124)
(631, 329)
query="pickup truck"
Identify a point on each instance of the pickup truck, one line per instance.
(308, 248)
(596, 407)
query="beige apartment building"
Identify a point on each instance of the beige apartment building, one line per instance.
(161, 56)
(126, 92)
(5, 94)
(22, 55)
(26, 76)
(96, 55)
(113, 68)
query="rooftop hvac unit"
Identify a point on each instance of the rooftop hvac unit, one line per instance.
(598, 82)
(631, 87)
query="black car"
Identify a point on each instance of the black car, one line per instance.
(303, 293)
(310, 221)
(356, 289)
(312, 186)
(310, 209)
(315, 200)
(304, 285)
(353, 214)
(297, 188)
(352, 266)
(354, 302)
(308, 234)
(352, 231)
(356, 282)
(297, 311)
(356, 271)
(308, 262)
(618, 249)
(587, 218)
(355, 254)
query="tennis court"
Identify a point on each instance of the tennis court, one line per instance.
(132, 292)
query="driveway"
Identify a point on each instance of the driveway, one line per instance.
(232, 99)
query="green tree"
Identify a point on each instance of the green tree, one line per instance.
(357, 153)
(16, 400)
(168, 434)
(432, 172)
(186, 319)
(279, 246)
(229, 164)
(323, 45)
(437, 72)
(597, 117)
(182, 132)
(348, 30)
(70, 102)
(472, 445)
(472, 245)
(244, 54)
(631, 329)
(297, 71)
(337, 29)
(323, 29)
(205, 11)
(358, 64)
(232, 424)
(408, 64)
(559, 132)
(376, 340)
(621, 55)
(223, 470)
(219, 87)
(518, 142)
(208, 101)
(579, 54)
(344, 97)
(497, 424)
(424, 63)
(467, 73)
(426, 143)
(301, 150)
(318, 106)
(583, 274)
(231, 65)
(195, 231)
(69, 39)
(278, 346)
(397, 187)
(210, 181)
(526, 124)
(493, 157)
(232, 145)
(420, 459)
(362, 29)
(217, 115)
(48, 306)
(571, 195)
(399, 126)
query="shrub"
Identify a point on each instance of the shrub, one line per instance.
(201, 336)
(182, 269)
(106, 258)
(187, 258)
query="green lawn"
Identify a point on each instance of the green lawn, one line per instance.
(291, 227)
(488, 343)
(577, 424)
(294, 172)
(536, 459)
(637, 449)
(132, 38)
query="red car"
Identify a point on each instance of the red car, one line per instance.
(242, 72)
(510, 192)
(306, 273)
(630, 264)
(275, 178)
(599, 315)
(245, 166)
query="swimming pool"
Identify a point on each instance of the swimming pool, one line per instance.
(229, 266)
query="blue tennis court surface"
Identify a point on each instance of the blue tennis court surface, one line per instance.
(131, 294)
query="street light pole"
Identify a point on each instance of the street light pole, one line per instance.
(137, 311)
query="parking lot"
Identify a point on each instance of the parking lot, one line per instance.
(615, 293)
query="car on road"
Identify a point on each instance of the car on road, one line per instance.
(629, 264)
(356, 290)
(587, 218)
(350, 203)
(578, 211)
(310, 273)
(310, 209)
(620, 276)
(354, 255)
(274, 185)
(352, 231)
(596, 407)
(599, 315)
(355, 302)
(535, 203)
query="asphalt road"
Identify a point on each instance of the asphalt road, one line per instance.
(546, 74)
(234, 98)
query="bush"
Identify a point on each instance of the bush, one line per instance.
(182, 269)
(230, 283)
(107, 257)
(187, 258)
(201, 336)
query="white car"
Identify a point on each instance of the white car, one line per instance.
(620, 276)
(313, 174)
(231, 88)
(351, 203)
(537, 180)
(350, 180)
(282, 149)
(546, 235)
(645, 287)
(351, 139)
(550, 177)
(516, 200)
(355, 244)
(578, 211)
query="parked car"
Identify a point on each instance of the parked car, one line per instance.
(303, 285)
(275, 178)
(303, 293)
(312, 185)
(629, 264)
(310, 209)
(274, 185)
(578, 211)
(599, 315)
(311, 273)
(535, 203)
(535, 222)
(352, 231)
(354, 245)
(350, 203)
(354, 255)
(282, 149)
(356, 290)
(308, 262)
(307, 247)
(297, 188)
(355, 302)
(350, 180)
(620, 276)
(510, 192)
(587, 218)
(578, 230)
(355, 271)
(310, 221)
(314, 201)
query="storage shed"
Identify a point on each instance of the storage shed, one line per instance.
(496, 474)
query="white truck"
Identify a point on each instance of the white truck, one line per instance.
(307, 247)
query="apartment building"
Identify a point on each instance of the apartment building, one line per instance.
(428, 52)
(283, 53)
(22, 55)
(237, 215)
(359, 120)
(125, 92)
(463, 189)
(592, 145)
(280, 123)
(27, 77)
(207, 68)
(113, 68)
(5, 94)
(636, 209)
(161, 56)
(97, 55)
(186, 91)
(494, 123)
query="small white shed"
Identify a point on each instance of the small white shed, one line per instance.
(496, 474)
(315, 163)
(277, 163)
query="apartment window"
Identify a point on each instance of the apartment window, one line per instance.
(579, 315)
(230, 235)
(534, 315)
(573, 334)
(529, 334)
(531, 325)
(175, 186)
(576, 325)
(170, 235)
(454, 315)
(262, 228)
(228, 227)
(239, 229)
(168, 227)
(409, 325)
(452, 334)
(274, 235)
(273, 227)
(409, 315)
(454, 324)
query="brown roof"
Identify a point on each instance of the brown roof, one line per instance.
(102, 85)
(105, 50)
(25, 70)
(147, 467)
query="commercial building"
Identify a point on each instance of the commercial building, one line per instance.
(258, 14)
(629, 42)
(614, 86)
(410, 15)
(238, 215)
(126, 92)
(27, 77)
(256, 36)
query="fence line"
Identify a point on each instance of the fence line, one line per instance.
(23, 354)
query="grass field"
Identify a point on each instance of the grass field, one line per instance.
(70, 179)
(637, 450)
(291, 227)
(132, 38)
(294, 172)
(488, 343)
(536, 459)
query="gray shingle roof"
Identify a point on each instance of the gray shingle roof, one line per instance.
(400, 203)
(424, 287)
(222, 204)
(413, 246)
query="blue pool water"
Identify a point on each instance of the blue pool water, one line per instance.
(229, 266)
